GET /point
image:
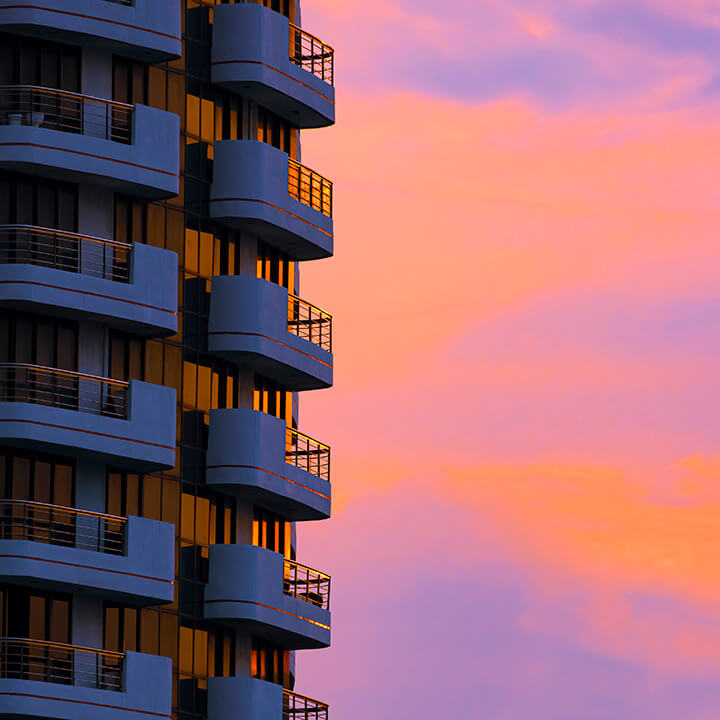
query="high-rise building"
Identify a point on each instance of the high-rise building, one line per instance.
(154, 217)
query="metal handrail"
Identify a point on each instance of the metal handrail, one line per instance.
(59, 525)
(312, 54)
(306, 583)
(309, 322)
(310, 187)
(24, 382)
(66, 646)
(307, 453)
(79, 236)
(66, 111)
(300, 707)
(67, 251)
(46, 661)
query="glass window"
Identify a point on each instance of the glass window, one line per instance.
(271, 531)
(37, 477)
(28, 61)
(27, 200)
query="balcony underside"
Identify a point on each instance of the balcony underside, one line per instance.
(250, 192)
(145, 441)
(142, 575)
(246, 458)
(148, 167)
(282, 227)
(246, 588)
(250, 56)
(146, 306)
(145, 30)
(146, 692)
(249, 325)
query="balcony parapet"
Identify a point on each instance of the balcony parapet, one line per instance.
(306, 584)
(130, 286)
(129, 559)
(75, 137)
(299, 707)
(254, 455)
(258, 188)
(67, 682)
(141, 29)
(258, 53)
(282, 601)
(129, 423)
(252, 699)
(258, 323)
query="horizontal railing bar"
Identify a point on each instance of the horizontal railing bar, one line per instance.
(64, 646)
(62, 508)
(306, 437)
(314, 173)
(306, 34)
(69, 373)
(304, 698)
(295, 298)
(68, 93)
(307, 567)
(66, 233)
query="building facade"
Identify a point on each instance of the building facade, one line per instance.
(154, 472)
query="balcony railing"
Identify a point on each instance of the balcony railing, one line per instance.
(66, 251)
(56, 525)
(22, 382)
(310, 188)
(299, 707)
(307, 454)
(312, 54)
(65, 111)
(303, 582)
(122, 2)
(43, 661)
(309, 322)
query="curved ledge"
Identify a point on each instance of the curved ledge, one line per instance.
(146, 30)
(145, 694)
(148, 167)
(143, 575)
(246, 586)
(244, 697)
(250, 56)
(145, 441)
(250, 192)
(248, 324)
(246, 455)
(147, 305)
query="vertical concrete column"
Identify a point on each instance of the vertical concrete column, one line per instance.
(97, 75)
(87, 620)
(248, 254)
(244, 523)
(91, 348)
(96, 217)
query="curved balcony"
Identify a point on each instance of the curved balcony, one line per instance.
(40, 679)
(257, 323)
(127, 423)
(131, 148)
(130, 559)
(281, 600)
(258, 188)
(255, 455)
(132, 287)
(259, 54)
(251, 699)
(142, 29)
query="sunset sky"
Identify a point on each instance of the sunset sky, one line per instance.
(526, 467)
